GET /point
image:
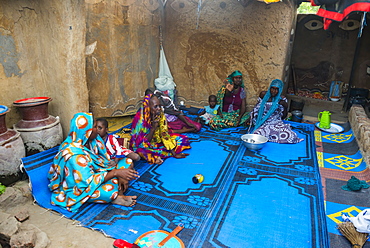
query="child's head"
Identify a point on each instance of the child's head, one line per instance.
(212, 100)
(149, 91)
(102, 126)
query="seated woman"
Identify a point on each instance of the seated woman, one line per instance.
(150, 137)
(232, 99)
(268, 114)
(176, 120)
(82, 171)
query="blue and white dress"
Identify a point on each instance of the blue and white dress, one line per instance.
(274, 128)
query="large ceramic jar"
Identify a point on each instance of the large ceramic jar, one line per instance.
(11, 151)
(39, 130)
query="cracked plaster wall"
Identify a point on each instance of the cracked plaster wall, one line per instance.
(201, 49)
(125, 60)
(42, 46)
(46, 40)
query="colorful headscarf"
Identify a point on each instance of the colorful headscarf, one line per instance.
(80, 130)
(77, 171)
(141, 126)
(275, 103)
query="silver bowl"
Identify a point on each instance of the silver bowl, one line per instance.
(254, 141)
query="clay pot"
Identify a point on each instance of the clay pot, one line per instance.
(11, 151)
(3, 111)
(39, 130)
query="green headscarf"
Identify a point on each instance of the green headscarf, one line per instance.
(235, 74)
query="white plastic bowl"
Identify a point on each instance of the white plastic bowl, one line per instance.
(334, 99)
(254, 141)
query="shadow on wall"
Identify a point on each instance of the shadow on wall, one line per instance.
(208, 52)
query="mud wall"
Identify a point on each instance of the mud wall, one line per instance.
(125, 60)
(361, 75)
(203, 47)
(42, 47)
(43, 53)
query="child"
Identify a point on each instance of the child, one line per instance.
(210, 111)
(114, 149)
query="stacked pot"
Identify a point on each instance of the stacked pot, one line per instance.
(35, 132)
(39, 130)
(11, 151)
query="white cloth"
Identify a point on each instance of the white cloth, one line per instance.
(362, 221)
(164, 81)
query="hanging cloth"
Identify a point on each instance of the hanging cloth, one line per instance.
(338, 10)
(165, 82)
(335, 89)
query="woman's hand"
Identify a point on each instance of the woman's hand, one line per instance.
(155, 121)
(112, 163)
(126, 174)
(121, 174)
(229, 87)
(248, 121)
(283, 103)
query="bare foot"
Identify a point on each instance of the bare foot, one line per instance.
(125, 200)
(185, 130)
(158, 160)
(181, 155)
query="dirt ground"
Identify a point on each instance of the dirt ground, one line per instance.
(62, 232)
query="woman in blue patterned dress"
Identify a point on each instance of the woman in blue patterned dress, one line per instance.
(82, 171)
(268, 114)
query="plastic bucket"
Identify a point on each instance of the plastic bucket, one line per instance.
(297, 116)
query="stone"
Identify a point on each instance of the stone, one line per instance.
(29, 236)
(24, 187)
(22, 215)
(42, 239)
(8, 227)
(360, 124)
(12, 197)
(23, 239)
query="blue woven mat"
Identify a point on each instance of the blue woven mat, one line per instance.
(266, 198)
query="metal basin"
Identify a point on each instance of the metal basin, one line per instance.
(254, 141)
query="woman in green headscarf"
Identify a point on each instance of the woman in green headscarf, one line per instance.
(232, 99)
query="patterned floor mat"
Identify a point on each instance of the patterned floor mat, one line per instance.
(266, 198)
